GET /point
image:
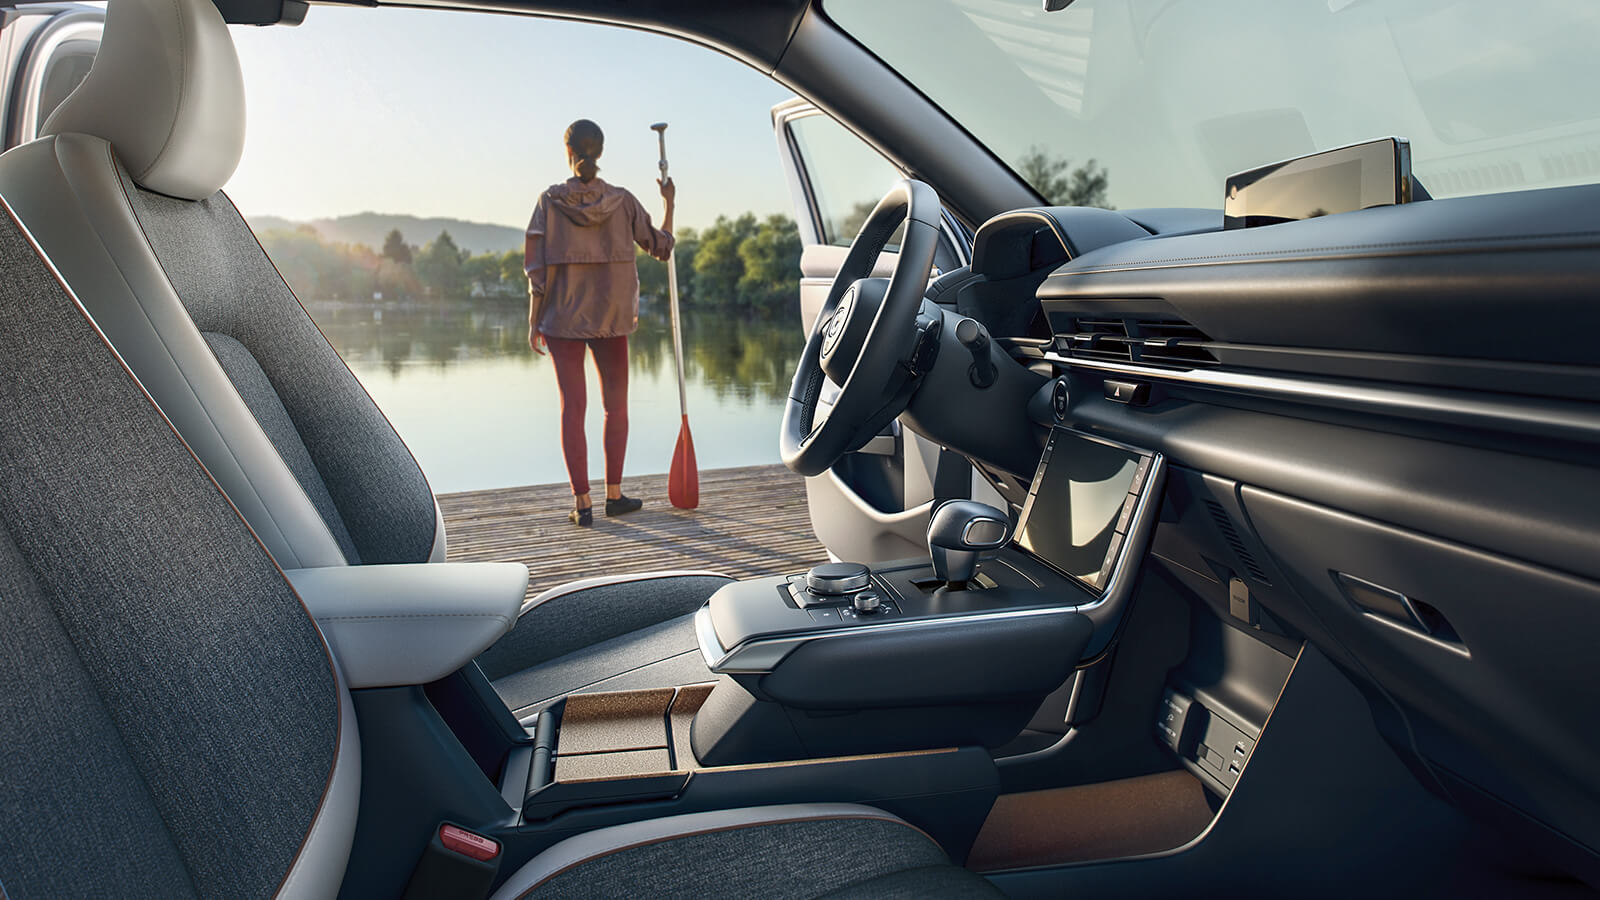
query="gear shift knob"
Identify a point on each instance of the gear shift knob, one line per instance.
(958, 532)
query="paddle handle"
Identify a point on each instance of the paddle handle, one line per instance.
(677, 332)
(660, 128)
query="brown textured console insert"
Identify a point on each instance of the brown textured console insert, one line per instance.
(627, 734)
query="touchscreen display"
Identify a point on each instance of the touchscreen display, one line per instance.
(1376, 173)
(1078, 495)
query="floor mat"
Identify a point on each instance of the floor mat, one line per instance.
(1093, 821)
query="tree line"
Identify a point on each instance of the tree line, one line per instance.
(325, 270)
(738, 263)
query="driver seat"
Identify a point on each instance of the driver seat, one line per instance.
(123, 194)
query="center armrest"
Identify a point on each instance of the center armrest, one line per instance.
(410, 624)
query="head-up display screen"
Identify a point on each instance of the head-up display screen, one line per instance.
(1074, 510)
(1361, 176)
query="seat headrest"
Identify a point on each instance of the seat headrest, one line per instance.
(166, 92)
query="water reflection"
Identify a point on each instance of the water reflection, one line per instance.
(479, 410)
(732, 356)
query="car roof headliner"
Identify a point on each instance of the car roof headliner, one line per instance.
(755, 31)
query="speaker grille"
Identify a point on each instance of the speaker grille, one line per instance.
(1231, 535)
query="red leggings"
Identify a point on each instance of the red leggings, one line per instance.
(611, 358)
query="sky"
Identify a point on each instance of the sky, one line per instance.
(444, 113)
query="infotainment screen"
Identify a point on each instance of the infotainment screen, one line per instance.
(1073, 518)
(1360, 176)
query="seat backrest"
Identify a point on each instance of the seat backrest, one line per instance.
(123, 192)
(172, 720)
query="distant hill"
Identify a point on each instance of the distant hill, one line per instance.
(370, 228)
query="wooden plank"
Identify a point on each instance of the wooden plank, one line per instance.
(752, 521)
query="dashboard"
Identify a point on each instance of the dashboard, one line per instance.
(1379, 433)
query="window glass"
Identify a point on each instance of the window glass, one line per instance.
(847, 177)
(1154, 103)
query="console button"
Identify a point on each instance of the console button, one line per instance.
(1060, 396)
(1133, 393)
(838, 578)
(886, 609)
(825, 616)
(1139, 475)
(1110, 562)
(866, 602)
(1127, 513)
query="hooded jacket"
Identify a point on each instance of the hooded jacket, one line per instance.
(580, 262)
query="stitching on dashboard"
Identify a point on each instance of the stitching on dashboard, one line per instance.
(1274, 255)
(410, 615)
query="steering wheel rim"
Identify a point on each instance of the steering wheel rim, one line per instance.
(877, 376)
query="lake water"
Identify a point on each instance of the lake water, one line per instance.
(479, 409)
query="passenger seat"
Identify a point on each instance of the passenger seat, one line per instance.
(123, 192)
(174, 723)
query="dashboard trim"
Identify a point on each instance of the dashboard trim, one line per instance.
(1528, 417)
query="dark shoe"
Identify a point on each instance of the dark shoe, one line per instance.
(583, 518)
(622, 505)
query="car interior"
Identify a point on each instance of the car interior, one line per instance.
(1247, 550)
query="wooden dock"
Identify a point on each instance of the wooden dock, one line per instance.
(752, 521)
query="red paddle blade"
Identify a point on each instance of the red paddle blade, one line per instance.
(683, 480)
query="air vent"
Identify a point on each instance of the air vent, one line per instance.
(1231, 535)
(1168, 343)
(1101, 339)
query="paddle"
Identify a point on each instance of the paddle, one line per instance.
(683, 479)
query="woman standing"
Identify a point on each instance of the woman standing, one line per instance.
(583, 291)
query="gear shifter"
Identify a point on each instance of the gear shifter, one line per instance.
(958, 532)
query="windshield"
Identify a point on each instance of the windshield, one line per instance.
(1133, 103)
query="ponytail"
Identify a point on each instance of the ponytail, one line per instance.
(586, 141)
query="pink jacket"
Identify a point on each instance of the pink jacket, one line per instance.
(580, 258)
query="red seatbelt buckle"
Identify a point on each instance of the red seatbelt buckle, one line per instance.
(464, 842)
(458, 864)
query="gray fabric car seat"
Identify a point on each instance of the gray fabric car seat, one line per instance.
(173, 722)
(123, 192)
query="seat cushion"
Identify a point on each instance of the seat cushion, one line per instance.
(794, 852)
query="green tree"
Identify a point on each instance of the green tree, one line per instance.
(718, 268)
(1060, 184)
(771, 258)
(482, 274)
(512, 273)
(395, 248)
(440, 267)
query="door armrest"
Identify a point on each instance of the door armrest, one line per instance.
(410, 624)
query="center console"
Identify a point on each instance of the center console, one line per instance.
(889, 685)
(907, 656)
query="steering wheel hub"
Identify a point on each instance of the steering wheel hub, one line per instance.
(848, 327)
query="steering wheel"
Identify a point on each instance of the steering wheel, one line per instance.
(864, 337)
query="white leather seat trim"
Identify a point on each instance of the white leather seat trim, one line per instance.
(575, 850)
(410, 624)
(67, 192)
(166, 91)
(439, 551)
(319, 868)
(584, 584)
